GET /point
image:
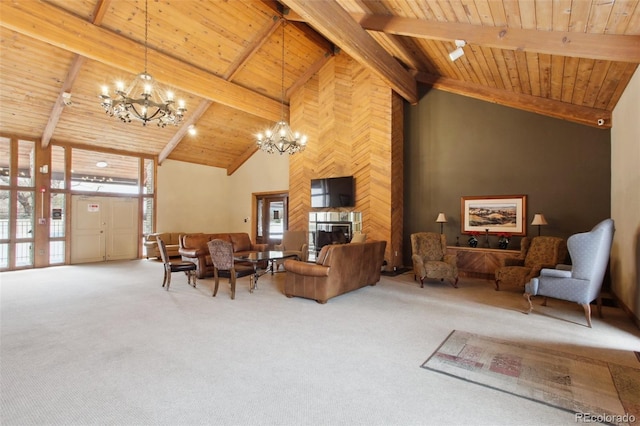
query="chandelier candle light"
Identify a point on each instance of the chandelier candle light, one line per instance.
(126, 106)
(281, 138)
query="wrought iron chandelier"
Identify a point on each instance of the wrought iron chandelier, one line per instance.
(145, 108)
(280, 138)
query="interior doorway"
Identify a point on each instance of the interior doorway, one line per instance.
(271, 217)
(103, 228)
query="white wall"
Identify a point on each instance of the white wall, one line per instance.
(625, 197)
(195, 198)
(261, 173)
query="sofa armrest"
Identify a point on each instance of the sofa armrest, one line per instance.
(304, 268)
(192, 252)
(279, 247)
(260, 247)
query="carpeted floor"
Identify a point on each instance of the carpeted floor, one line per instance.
(575, 383)
(105, 344)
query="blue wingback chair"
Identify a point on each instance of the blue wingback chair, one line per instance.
(581, 282)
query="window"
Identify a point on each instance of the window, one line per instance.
(99, 172)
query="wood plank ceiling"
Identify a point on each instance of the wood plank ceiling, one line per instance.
(570, 59)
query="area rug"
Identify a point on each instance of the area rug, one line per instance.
(594, 390)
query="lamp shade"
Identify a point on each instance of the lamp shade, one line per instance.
(441, 218)
(538, 219)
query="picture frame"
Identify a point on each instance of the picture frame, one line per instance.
(504, 214)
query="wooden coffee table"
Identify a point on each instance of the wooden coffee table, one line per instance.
(261, 256)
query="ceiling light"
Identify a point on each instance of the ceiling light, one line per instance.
(192, 130)
(142, 100)
(456, 54)
(280, 138)
(102, 164)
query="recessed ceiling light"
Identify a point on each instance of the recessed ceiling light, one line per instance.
(102, 164)
(192, 130)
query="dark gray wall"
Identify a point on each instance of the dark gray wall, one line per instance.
(457, 146)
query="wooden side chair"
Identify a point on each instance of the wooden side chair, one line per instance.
(224, 266)
(170, 266)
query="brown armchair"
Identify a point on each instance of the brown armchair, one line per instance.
(535, 254)
(294, 241)
(430, 258)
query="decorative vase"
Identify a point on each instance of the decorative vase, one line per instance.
(503, 243)
(473, 242)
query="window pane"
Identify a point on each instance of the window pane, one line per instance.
(98, 172)
(4, 256)
(5, 213)
(24, 214)
(57, 167)
(147, 216)
(26, 162)
(56, 218)
(5, 161)
(148, 177)
(24, 254)
(56, 252)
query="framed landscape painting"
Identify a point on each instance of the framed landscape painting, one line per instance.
(504, 214)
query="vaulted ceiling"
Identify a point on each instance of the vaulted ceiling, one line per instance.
(569, 59)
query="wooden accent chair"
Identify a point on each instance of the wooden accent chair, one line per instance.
(535, 254)
(430, 258)
(224, 266)
(582, 280)
(177, 265)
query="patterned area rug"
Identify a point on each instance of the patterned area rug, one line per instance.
(594, 390)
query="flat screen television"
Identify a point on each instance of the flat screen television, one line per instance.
(333, 192)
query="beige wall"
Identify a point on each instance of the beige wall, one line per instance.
(195, 198)
(625, 197)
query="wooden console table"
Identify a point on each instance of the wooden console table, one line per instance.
(479, 262)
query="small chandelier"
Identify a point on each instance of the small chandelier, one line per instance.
(126, 106)
(280, 138)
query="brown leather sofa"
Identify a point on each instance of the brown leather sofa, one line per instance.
(339, 268)
(170, 239)
(193, 248)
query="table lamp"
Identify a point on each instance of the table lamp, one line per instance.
(539, 220)
(441, 219)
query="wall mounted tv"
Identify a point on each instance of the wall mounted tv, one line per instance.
(333, 192)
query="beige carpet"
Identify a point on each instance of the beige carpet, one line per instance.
(105, 344)
(579, 384)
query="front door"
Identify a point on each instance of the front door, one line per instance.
(103, 228)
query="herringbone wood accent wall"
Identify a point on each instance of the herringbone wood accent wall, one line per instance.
(354, 122)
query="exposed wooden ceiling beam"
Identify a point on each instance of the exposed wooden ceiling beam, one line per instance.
(49, 24)
(543, 106)
(332, 21)
(74, 69)
(608, 47)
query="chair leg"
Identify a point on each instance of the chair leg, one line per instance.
(544, 302)
(497, 285)
(216, 279)
(455, 283)
(528, 297)
(599, 305)
(421, 282)
(168, 272)
(233, 285)
(164, 279)
(587, 313)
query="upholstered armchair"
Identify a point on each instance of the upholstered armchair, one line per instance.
(430, 258)
(581, 282)
(294, 241)
(535, 254)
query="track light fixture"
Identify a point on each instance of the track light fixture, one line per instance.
(456, 54)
